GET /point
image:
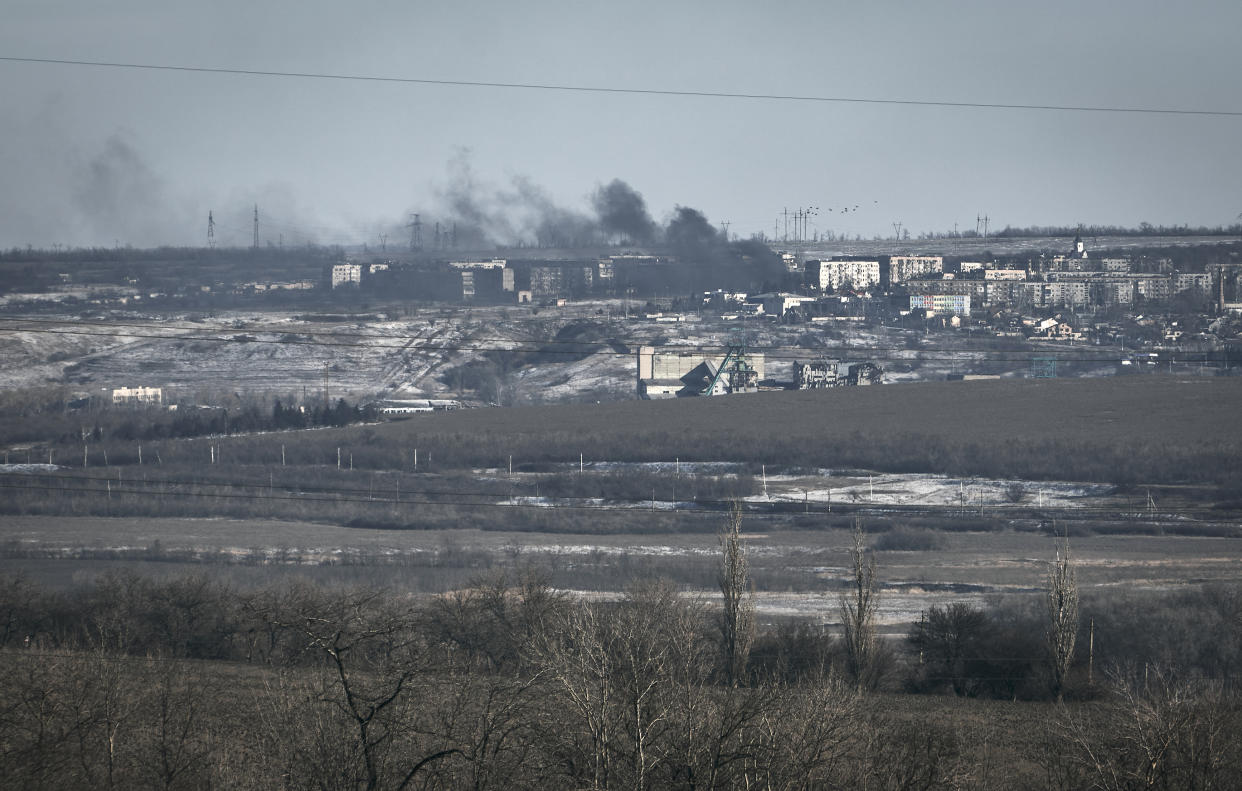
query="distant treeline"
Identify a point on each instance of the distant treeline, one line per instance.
(167, 269)
(1143, 229)
(54, 424)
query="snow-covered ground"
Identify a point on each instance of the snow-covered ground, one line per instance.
(931, 490)
(28, 468)
(284, 353)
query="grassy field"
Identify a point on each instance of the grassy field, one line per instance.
(1126, 430)
(1102, 411)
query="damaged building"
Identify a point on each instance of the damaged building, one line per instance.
(675, 374)
(822, 374)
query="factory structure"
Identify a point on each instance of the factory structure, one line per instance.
(674, 373)
(678, 374)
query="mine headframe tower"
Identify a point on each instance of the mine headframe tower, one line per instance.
(735, 374)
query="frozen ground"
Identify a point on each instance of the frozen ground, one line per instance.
(824, 487)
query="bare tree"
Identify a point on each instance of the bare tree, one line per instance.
(1062, 629)
(617, 671)
(858, 607)
(371, 658)
(737, 619)
(578, 657)
(1156, 731)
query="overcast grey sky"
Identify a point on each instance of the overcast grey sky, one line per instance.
(100, 155)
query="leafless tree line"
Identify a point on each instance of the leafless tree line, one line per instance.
(510, 685)
(183, 683)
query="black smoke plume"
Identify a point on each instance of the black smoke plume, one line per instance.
(475, 215)
(623, 214)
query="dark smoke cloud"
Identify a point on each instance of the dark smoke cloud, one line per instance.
(623, 213)
(524, 214)
(691, 236)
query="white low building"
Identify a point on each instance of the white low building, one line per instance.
(138, 395)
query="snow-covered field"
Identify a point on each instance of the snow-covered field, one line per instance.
(283, 353)
(931, 490)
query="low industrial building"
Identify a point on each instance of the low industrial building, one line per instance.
(138, 396)
(941, 304)
(817, 375)
(413, 406)
(669, 374)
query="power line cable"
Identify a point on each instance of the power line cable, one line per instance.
(622, 91)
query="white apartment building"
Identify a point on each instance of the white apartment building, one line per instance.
(345, 274)
(834, 274)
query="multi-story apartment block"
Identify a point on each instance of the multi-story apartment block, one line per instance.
(1003, 292)
(837, 273)
(1154, 288)
(973, 288)
(906, 267)
(1068, 293)
(1004, 274)
(1192, 281)
(1114, 291)
(346, 274)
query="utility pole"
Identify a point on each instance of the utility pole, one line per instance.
(326, 402)
(1091, 655)
(416, 233)
(725, 224)
(211, 232)
(255, 246)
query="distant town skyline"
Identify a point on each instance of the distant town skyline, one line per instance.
(97, 155)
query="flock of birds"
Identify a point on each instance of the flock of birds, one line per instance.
(846, 209)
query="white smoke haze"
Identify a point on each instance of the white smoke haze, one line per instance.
(115, 192)
(76, 192)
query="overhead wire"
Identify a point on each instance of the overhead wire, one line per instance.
(597, 89)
